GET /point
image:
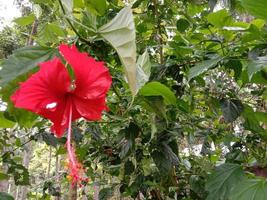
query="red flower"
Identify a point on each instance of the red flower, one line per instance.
(52, 94)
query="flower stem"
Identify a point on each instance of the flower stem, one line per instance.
(69, 147)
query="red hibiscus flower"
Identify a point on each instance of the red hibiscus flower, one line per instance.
(52, 94)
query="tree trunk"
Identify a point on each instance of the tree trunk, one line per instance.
(73, 192)
(58, 176)
(33, 33)
(49, 162)
(26, 161)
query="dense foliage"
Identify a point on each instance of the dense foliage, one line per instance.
(188, 101)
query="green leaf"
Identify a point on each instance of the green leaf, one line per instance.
(235, 65)
(155, 104)
(49, 139)
(222, 180)
(252, 123)
(5, 196)
(3, 176)
(158, 89)
(22, 61)
(182, 25)
(261, 116)
(51, 32)
(231, 109)
(105, 193)
(68, 5)
(14, 70)
(257, 8)
(120, 33)
(78, 3)
(128, 167)
(23, 21)
(100, 6)
(165, 158)
(131, 132)
(22, 117)
(220, 18)
(143, 70)
(256, 65)
(163, 164)
(20, 174)
(202, 67)
(5, 123)
(250, 189)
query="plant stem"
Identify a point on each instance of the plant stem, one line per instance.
(159, 37)
(71, 25)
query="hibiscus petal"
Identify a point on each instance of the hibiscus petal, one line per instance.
(92, 77)
(60, 117)
(45, 94)
(90, 109)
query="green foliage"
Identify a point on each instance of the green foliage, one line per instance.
(256, 65)
(5, 196)
(120, 33)
(250, 189)
(257, 8)
(98, 7)
(221, 182)
(105, 194)
(22, 61)
(158, 89)
(203, 67)
(220, 18)
(231, 109)
(5, 123)
(3, 176)
(50, 32)
(26, 20)
(182, 25)
(18, 171)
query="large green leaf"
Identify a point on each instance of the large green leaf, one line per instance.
(22, 61)
(202, 67)
(220, 18)
(261, 116)
(5, 123)
(158, 89)
(5, 196)
(50, 32)
(256, 65)
(257, 8)
(98, 6)
(250, 189)
(23, 21)
(120, 33)
(22, 117)
(222, 181)
(143, 70)
(155, 104)
(165, 158)
(252, 122)
(131, 132)
(3, 176)
(231, 109)
(182, 25)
